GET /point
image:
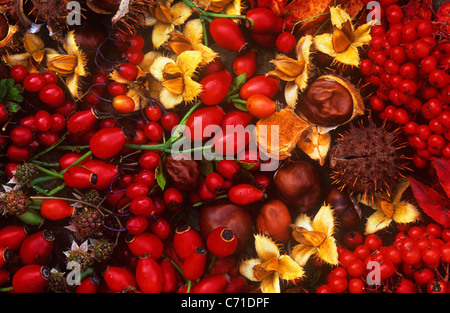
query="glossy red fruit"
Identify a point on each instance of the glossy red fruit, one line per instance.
(12, 236)
(215, 183)
(37, 248)
(215, 87)
(185, 241)
(18, 73)
(212, 284)
(33, 82)
(170, 276)
(203, 122)
(145, 243)
(31, 278)
(286, 42)
(222, 241)
(137, 224)
(173, 199)
(119, 278)
(128, 71)
(160, 227)
(213, 67)
(56, 209)
(227, 34)
(43, 120)
(437, 286)
(88, 285)
(261, 106)
(142, 206)
(245, 194)
(194, 266)
(104, 172)
(21, 136)
(236, 118)
(123, 104)
(149, 276)
(79, 177)
(405, 286)
(18, 154)
(245, 63)
(52, 95)
(260, 84)
(69, 158)
(264, 20)
(107, 142)
(352, 239)
(228, 168)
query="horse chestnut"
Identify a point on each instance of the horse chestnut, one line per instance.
(344, 207)
(327, 103)
(298, 184)
(274, 219)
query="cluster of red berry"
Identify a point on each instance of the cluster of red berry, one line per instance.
(408, 63)
(416, 261)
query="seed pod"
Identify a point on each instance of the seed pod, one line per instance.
(185, 240)
(145, 243)
(170, 276)
(194, 266)
(55, 209)
(12, 236)
(244, 194)
(222, 241)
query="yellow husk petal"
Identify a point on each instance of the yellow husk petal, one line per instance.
(291, 94)
(399, 190)
(38, 56)
(208, 54)
(301, 253)
(349, 56)
(148, 60)
(281, 75)
(180, 13)
(265, 248)
(234, 8)
(191, 89)
(62, 64)
(188, 62)
(405, 213)
(70, 45)
(362, 35)
(309, 238)
(246, 268)
(169, 100)
(160, 33)
(324, 220)
(175, 85)
(72, 82)
(327, 251)
(304, 221)
(32, 43)
(376, 222)
(288, 66)
(338, 16)
(288, 268)
(302, 80)
(158, 66)
(16, 59)
(193, 31)
(324, 44)
(314, 144)
(386, 207)
(271, 284)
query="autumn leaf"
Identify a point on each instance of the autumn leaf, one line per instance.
(443, 16)
(432, 203)
(442, 168)
(418, 10)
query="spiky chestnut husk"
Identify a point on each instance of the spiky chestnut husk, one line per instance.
(26, 172)
(368, 158)
(89, 223)
(14, 202)
(83, 258)
(57, 283)
(8, 36)
(129, 15)
(102, 250)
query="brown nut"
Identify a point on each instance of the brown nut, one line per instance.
(185, 173)
(326, 103)
(274, 219)
(299, 184)
(225, 213)
(344, 207)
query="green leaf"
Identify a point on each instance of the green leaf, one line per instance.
(3, 89)
(240, 106)
(236, 84)
(160, 176)
(13, 107)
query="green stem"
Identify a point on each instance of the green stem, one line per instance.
(56, 189)
(188, 290)
(202, 12)
(63, 137)
(31, 217)
(73, 148)
(211, 264)
(6, 289)
(240, 101)
(86, 273)
(48, 164)
(46, 171)
(41, 179)
(189, 150)
(40, 190)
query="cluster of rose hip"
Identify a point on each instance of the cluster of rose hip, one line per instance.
(408, 62)
(416, 261)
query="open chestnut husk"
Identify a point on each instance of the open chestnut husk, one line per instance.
(330, 101)
(299, 184)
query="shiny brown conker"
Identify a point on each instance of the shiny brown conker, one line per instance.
(298, 184)
(326, 103)
(274, 219)
(344, 207)
(224, 213)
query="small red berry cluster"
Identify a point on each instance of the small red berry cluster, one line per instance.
(416, 261)
(408, 62)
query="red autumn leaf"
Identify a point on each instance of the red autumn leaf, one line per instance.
(434, 204)
(418, 10)
(442, 168)
(443, 16)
